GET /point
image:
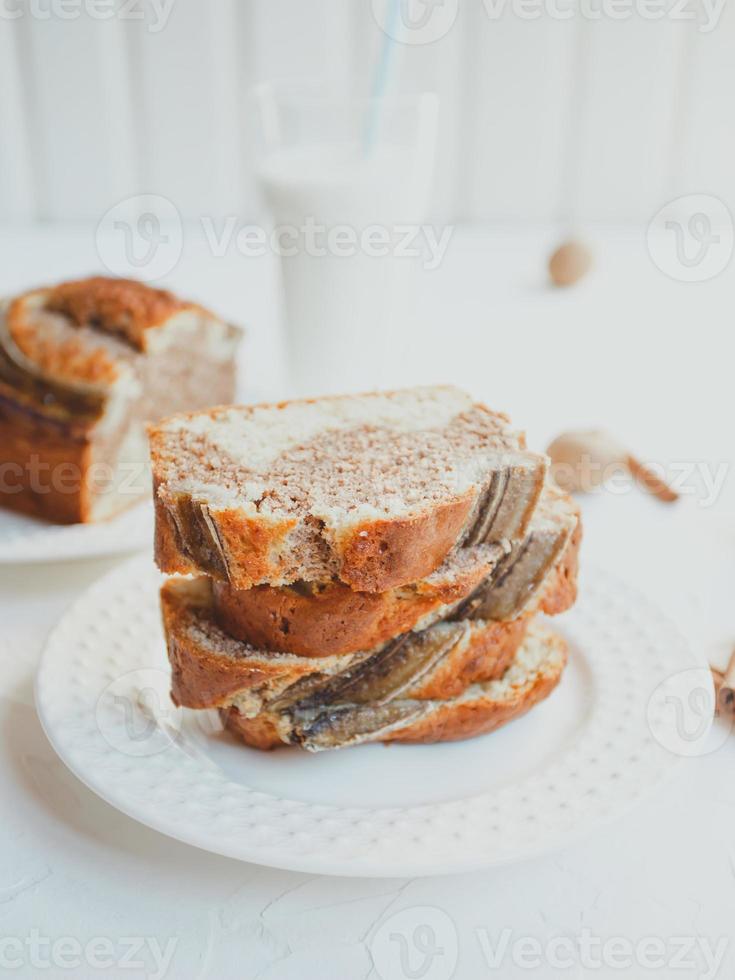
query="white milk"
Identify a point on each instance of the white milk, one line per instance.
(342, 309)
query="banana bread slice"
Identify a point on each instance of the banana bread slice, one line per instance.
(375, 490)
(316, 619)
(532, 675)
(83, 366)
(211, 669)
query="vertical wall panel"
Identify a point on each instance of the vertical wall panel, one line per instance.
(82, 137)
(630, 92)
(187, 100)
(517, 92)
(706, 158)
(310, 39)
(92, 111)
(16, 179)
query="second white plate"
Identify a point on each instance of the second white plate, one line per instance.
(25, 539)
(603, 738)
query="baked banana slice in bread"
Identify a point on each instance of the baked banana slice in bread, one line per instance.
(316, 619)
(212, 669)
(375, 490)
(531, 676)
(83, 366)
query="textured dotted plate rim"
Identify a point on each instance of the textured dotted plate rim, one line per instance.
(180, 793)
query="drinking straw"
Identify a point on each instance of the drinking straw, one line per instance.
(382, 74)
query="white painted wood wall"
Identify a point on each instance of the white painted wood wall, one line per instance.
(540, 118)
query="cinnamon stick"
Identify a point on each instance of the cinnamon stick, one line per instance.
(651, 481)
(726, 692)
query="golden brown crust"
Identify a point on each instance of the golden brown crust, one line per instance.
(332, 618)
(561, 592)
(384, 554)
(259, 733)
(484, 658)
(449, 722)
(371, 556)
(374, 557)
(166, 550)
(123, 307)
(459, 720)
(335, 619)
(492, 644)
(205, 678)
(43, 467)
(201, 678)
(72, 358)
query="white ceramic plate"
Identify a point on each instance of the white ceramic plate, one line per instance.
(25, 539)
(583, 756)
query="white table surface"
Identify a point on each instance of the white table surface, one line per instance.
(648, 357)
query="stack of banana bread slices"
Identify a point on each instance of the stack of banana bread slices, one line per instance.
(359, 569)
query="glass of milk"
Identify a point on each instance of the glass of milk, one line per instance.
(347, 183)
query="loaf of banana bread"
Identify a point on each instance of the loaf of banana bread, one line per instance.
(83, 367)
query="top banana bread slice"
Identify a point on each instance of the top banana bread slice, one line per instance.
(373, 489)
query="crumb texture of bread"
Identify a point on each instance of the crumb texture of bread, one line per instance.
(375, 489)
